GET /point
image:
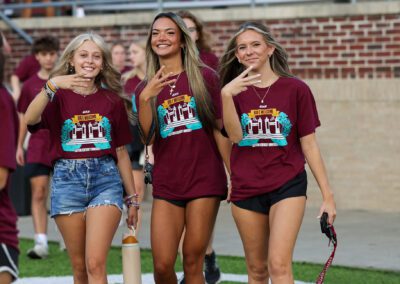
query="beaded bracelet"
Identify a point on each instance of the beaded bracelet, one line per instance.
(131, 203)
(129, 197)
(50, 89)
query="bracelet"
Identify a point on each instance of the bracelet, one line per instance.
(135, 195)
(50, 89)
(131, 203)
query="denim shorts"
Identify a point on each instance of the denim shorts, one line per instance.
(80, 184)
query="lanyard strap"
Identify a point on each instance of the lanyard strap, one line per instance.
(333, 239)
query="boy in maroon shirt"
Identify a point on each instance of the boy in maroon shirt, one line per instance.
(38, 162)
(8, 217)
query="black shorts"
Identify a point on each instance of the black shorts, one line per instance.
(183, 203)
(262, 203)
(35, 169)
(135, 157)
(9, 260)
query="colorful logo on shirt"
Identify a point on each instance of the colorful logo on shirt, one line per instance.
(265, 128)
(86, 132)
(178, 115)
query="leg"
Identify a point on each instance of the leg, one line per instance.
(167, 222)
(200, 219)
(73, 231)
(5, 278)
(99, 238)
(40, 192)
(254, 232)
(285, 221)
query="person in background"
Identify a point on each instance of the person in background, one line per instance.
(131, 80)
(181, 96)
(118, 55)
(27, 67)
(271, 118)
(8, 217)
(202, 39)
(38, 161)
(89, 128)
(5, 46)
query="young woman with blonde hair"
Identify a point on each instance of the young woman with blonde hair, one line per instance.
(271, 117)
(89, 129)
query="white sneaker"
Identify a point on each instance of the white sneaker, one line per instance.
(39, 251)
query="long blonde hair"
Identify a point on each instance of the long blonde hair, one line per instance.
(108, 77)
(230, 67)
(192, 66)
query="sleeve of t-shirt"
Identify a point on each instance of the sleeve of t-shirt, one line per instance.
(213, 86)
(7, 144)
(307, 114)
(24, 100)
(23, 69)
(122, 134)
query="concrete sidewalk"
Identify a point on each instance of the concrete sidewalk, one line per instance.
(365, 239)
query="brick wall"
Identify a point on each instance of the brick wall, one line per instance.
(341, 45)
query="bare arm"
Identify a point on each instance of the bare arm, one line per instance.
(233, 88)
(314, 159)
(16, 87)
(224, 147)
(125, 170)
(3, 177)
(39, 103)
(21, 138)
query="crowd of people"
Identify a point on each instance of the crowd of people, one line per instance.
(238, 129)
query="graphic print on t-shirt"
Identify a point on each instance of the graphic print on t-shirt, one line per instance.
(178, 115)
(86, 132)
(265, 128)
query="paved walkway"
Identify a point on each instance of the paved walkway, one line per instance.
(365, 239)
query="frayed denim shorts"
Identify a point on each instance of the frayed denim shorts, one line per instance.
(80, 184)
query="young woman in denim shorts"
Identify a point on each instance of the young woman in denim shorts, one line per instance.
(271, 117)
(88, 128)
(182, 98)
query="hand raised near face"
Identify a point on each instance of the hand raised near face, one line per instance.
(156, 84)
(240, 83)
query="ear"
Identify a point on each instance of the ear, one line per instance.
(237, 57)
(271, 50)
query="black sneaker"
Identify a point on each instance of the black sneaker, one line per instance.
(211, 270)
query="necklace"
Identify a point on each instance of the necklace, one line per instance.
(258, 95)
(173, 86)
(92, 91)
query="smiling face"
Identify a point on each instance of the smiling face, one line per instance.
(166, 38)
(252, 50)
(88, 59)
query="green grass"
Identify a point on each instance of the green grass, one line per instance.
(58, 264)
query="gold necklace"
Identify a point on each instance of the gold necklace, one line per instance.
(173, 86)
(258, 95)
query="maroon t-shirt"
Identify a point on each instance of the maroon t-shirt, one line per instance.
(126, 69)
(85, 127)
(269, 155)
(131, 85)
(8, 144)
(39, 146)
(27, 67)
(209, 59)
(187, 163)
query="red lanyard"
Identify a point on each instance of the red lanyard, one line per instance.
(331, 234)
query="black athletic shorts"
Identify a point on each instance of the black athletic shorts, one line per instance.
(9, 260)
(262, 203)
(35, 169)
